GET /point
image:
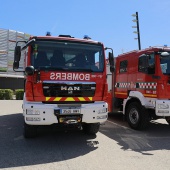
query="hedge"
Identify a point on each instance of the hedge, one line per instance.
(19, 94)
(6, 94)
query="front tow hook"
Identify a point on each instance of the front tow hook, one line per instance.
(71, 121)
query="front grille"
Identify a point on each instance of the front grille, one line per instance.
(68, 89)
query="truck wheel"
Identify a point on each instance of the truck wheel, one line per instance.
(30, 131)
(137, 116)
(91, 128)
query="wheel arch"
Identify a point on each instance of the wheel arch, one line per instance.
(133, 99)
(134, 96)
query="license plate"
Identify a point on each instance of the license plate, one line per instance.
(70, 111)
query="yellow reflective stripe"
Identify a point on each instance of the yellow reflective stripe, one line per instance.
(69, 99)
(90, 98)
(120, 93)
(47, 98)
(57, 99)
(150, 95)
(81, 98)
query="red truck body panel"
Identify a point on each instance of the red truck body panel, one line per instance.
(150, 85)
(34, 89)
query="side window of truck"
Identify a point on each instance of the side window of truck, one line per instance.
(146, 64)
(142, 64)
(123, 66)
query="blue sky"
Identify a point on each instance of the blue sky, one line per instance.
(107, 21)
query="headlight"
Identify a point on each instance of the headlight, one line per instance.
(102, 117)
(163, 106)
(104, 110)
(32, 112)
(33, 118)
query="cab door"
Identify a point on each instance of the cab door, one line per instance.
(146, 79)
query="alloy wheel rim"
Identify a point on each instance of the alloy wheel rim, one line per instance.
(133, 116)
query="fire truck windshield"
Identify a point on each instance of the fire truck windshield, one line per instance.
(165, 63)
(66, 55)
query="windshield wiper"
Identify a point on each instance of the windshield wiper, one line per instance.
(49, 68)
(166, 73)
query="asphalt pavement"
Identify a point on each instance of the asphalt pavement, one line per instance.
(115, 147)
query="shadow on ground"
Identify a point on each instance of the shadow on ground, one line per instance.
(49, 146)
(155, 137)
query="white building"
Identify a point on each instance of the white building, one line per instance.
(9, 78)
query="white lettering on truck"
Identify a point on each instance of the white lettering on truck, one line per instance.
(69, 76)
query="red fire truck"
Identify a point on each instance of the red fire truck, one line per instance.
(141, 86)
(65, 83)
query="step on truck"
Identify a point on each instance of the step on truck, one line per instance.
(65, 83)
(141, 86)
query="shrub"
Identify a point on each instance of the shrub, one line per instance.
(2, 94)
(19, 94)
(6, 94)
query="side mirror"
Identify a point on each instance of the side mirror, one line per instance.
(112, 69)
(15, 65)
(17, 54)
(29, 71)
(111, 61)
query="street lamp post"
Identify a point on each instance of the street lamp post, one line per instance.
(138, 31)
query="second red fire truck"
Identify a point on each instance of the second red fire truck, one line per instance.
(141, 86)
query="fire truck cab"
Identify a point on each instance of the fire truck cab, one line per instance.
(65, 83)
(141, 86)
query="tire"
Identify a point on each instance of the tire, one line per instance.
(91, 128)
(137, 116)
(30, 131)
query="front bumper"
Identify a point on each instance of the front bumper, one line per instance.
(37, 113)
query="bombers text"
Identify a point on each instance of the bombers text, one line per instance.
(69, 76)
